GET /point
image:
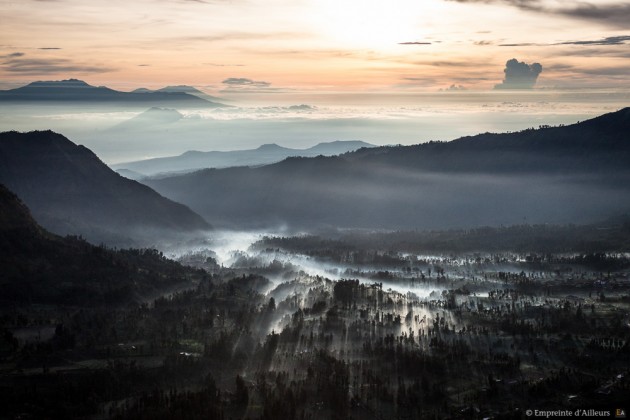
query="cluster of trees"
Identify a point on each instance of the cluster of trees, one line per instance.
(316, 348)
(609, 236)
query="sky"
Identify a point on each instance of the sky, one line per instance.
(231, 47)
(301, 72)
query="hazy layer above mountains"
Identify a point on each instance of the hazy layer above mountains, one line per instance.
(571, 174)
(567, 174)
(574, 173)
(265, 154)
(298, 119)
(70, 191)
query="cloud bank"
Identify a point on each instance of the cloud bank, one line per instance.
(241, 81)
(611, 40)
(39, 66)
(613, 14)
(245, 85)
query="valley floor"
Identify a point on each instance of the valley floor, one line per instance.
(392, 336)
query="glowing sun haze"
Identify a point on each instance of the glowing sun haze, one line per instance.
(306, 45)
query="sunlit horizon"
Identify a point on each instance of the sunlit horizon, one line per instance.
(312, 45)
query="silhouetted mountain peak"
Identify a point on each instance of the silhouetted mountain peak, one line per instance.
(43, 145)
(597, 144)
(153, 117)
(74, 90)
(270, 147)
(263, 155)
(612, 121)
(157, 112)
(141, 90)
(70, 190)
(338, 146)
(60, 83)
(180, 88)
(40, 137)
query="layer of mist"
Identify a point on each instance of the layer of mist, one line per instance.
(331, 193)
(565, 174)
(263, 155)
(112, 131)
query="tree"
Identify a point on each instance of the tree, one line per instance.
(242, 394)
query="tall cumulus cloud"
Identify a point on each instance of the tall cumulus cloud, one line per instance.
(519, 75)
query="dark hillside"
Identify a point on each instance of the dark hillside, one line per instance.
(599, 145)
(70, 191)
(39, 267)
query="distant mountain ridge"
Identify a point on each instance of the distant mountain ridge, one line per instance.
(263, 155)
(73, 90)
(599, 144)
(153, 116)
(570, 174)
(191, 90)
(70, 191)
